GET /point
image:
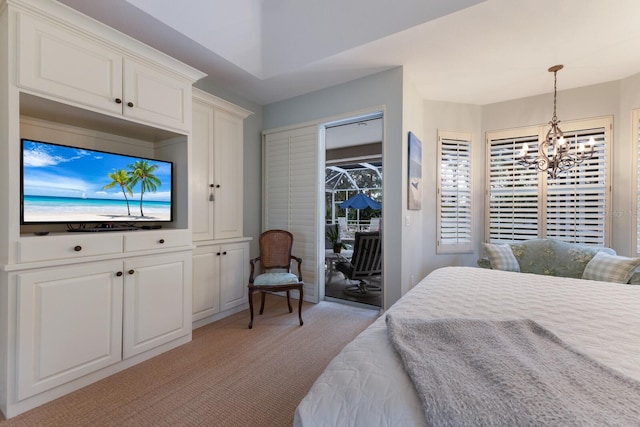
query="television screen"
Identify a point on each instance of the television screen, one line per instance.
(62, 184)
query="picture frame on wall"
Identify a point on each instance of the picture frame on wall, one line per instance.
(414, 183)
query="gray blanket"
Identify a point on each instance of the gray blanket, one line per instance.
(508, 373)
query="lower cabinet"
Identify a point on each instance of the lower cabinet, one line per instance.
(75, 320)
(157, 302)
(220, 277)
(69, 324)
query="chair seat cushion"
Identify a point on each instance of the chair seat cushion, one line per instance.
(274, 279)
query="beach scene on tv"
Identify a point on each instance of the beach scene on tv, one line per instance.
(75, 185)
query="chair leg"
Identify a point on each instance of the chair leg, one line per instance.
(300, 306)
(289, 301)
(251, 308)
(261, 302)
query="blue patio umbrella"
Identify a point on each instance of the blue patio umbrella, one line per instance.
(360, 201)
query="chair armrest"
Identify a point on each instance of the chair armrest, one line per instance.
(253, 266)
(299, 260)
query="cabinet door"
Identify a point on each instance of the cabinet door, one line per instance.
(69, 324)
(57, 62)
(201, 171)
(157, 301)
(227, 143)
(156, 96)
(206, 282)
(234, 277)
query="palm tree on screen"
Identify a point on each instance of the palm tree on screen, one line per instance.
(121, 178)
(141, 171)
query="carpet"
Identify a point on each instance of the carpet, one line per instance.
(228, 375)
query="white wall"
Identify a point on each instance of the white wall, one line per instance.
(381, 89)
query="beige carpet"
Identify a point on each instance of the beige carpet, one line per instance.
(227, 376)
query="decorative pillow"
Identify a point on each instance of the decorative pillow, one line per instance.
(610, 268)
(501, 257)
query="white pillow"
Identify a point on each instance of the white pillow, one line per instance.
(501, 257)
(610, 268)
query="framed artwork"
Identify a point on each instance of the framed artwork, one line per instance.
(414, 186)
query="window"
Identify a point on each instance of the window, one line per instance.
(454, 192)
(524, 204)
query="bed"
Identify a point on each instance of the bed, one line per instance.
(366, 384)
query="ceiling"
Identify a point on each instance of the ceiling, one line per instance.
(466, 51)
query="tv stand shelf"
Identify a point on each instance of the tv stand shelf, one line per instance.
(54, 247)
(104, 227)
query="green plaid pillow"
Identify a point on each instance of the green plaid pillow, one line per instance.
(610, 268)
(501, 256)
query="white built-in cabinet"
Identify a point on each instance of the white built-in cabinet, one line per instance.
(217, 169)
(87, 71)
(220, 278)
(126, 307)
(221, 257)
(77, 307)
(52, 346)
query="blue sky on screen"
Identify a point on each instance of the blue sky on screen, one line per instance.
(59, 171)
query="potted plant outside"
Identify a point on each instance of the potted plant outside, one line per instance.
(333, 236)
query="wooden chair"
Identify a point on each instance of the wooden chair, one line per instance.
(365, 263)
(275, 270)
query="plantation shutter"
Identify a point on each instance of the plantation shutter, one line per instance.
(524, 204)
(513, 191)
(290, 195)
(576, 201)
(454, 193)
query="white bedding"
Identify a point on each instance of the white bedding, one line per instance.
(366, 385)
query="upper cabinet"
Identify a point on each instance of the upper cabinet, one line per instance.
(82, 70)
(217, 167)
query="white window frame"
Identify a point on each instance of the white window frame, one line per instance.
(605, 123)
(463, 228)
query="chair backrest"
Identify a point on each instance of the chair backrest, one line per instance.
(374, 224)
(367, 255)
(275, 250)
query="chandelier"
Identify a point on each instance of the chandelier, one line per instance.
(554, 154)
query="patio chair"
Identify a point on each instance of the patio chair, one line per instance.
(365, 264)
(275, 270)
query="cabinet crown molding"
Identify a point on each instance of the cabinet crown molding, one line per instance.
(72, 20)
(208, 98)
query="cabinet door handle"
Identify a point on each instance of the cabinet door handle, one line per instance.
(224, 253)
(119, 273)
(129, 104)
(161, 241)
(118, 101)
(217, 185)
(77, 248)
(218, 254)
(131, 271)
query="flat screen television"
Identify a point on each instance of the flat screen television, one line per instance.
(73, 185)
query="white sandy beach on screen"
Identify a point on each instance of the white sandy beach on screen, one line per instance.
(85, 217)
